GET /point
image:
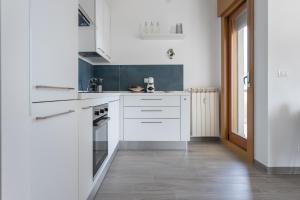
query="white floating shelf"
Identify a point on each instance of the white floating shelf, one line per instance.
(160, 36)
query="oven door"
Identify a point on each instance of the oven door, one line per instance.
(100, 142)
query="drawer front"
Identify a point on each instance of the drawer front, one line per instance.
(152, 112)
(147, 100)
(152, 129)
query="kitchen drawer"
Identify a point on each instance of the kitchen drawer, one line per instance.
(152, 129)
(152, 112)
(149, 100)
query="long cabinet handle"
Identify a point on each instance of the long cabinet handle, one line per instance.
(151, 99)
(53, 87)
(151, 110)
(151, 122)
(54, 115)
(86, 108)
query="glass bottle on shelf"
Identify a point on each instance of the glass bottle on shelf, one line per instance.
(157, 29)
(151, 27)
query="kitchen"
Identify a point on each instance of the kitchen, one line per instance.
(126, 99)
(83, 124)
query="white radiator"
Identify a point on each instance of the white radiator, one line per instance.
(205, 112)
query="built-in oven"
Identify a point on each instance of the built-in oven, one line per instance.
(100, 136)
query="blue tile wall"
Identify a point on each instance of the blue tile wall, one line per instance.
(110, 75)
(121, 77)
(85, 73)
(166, 77)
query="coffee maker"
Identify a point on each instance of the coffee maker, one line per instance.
(150, 85)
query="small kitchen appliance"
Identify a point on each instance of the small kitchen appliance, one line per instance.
(150, 85)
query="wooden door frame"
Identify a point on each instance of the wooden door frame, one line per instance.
(225, 82)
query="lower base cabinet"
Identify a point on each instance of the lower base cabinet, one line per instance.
(85, 150)
(113, 126)
(152, 129)
(155, 118)
(54, 151)
(85, 130)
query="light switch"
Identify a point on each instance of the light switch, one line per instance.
(282, 73)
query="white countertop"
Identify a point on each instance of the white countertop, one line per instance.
(86, 95)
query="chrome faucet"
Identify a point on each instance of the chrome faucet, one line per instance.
(92, 85)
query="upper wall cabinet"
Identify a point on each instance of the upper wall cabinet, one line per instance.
(103, 27)
(54, 49)
(94, 40)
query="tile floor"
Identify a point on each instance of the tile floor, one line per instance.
(207, 171)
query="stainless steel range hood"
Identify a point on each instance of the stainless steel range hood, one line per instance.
(83, 18)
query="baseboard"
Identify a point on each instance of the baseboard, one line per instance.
(277, 170)
(260, 166)
(147, 145)
(102, 176)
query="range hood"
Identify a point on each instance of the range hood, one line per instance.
(83, 18)
(88, 50)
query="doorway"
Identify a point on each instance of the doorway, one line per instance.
(237, 96)
(239, 73)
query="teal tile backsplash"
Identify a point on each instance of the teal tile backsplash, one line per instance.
(121, 77)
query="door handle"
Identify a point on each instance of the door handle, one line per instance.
(86, 108)
(54, 115)
(53, 87)
(151, 122)
(151, 110)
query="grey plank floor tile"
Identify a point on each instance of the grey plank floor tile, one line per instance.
(206, 171)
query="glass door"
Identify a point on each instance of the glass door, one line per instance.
(239, 77)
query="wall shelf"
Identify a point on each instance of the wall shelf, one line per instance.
(161, 36)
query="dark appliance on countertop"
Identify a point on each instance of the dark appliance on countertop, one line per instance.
(100, 136)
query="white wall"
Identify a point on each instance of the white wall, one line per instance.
(261, 122)
(284, 93)
(15, 100)
(199, 51)
(277, 99)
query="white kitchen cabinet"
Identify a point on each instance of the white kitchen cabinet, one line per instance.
(185, 119)
(53, 49)
(103, 28)
(85, 150)
(107, 29)
(113, 125)
(54, 151)
(152, 129)
(153, 100)
(152, 112)
(156, 117)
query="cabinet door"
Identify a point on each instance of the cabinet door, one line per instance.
(54, 49)
(54, 152)
(113, 126)
(107, 27)
(100, 26)
(85, 151)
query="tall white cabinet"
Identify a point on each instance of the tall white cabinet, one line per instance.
(53, 49)
(54, 151)
(54, 77)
